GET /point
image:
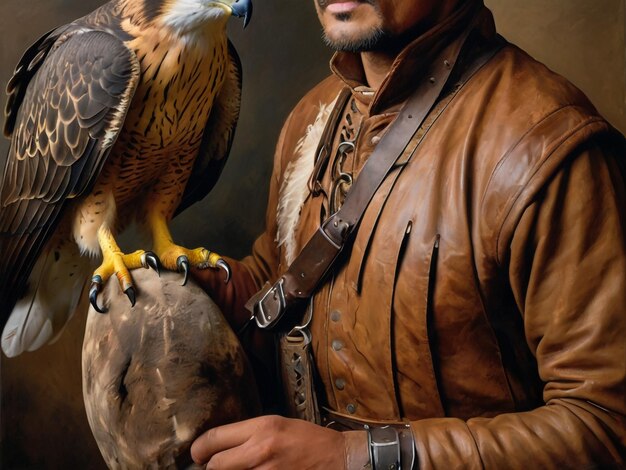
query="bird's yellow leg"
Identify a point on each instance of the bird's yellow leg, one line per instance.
(178, 258)
(118, 263)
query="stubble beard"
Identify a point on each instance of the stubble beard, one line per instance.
(371, 41)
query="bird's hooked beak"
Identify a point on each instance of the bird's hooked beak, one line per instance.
(242, 9)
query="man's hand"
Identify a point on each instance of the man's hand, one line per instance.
(270, 442)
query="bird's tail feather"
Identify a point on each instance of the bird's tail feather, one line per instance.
(55, 287)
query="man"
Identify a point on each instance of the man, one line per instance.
(481, 300)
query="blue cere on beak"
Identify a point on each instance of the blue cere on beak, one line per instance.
(243, 9)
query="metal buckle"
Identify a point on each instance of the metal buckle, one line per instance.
(341, 225)
(303, 328)
(265, 319)
(385, 447)
(339, 178)
(326, 236)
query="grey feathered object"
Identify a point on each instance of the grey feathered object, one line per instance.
(155, 377)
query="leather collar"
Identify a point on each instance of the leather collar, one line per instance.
(410, 65)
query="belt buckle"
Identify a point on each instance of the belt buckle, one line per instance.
(266, 319)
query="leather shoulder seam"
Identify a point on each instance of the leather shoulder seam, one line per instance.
(556, 153)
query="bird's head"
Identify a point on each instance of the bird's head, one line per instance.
(187, 16)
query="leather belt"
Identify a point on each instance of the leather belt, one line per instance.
(299, 282)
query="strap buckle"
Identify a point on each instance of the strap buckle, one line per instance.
(335, 231)
(302, 329)
(271, 307)
(385, 451)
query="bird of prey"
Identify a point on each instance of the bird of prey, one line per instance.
(124, 115)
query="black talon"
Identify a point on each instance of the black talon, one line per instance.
(130, 293)
(150, 260)
(94, 290)
(224, 265)
(183, 267)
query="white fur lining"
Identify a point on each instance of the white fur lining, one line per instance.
(294, 189)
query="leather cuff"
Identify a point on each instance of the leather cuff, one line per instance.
(392, 447)
(357, 450)
(346, 424)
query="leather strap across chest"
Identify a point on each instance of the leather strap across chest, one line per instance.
(307, 271)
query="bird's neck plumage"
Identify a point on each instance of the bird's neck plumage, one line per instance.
(180, 74)
(174, 23)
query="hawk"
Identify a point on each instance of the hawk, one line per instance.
(125, 115)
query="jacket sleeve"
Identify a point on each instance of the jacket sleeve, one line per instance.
(567, 271)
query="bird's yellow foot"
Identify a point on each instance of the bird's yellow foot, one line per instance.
(120, 264)
(177, 258)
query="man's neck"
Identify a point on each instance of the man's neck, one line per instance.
(376, 66)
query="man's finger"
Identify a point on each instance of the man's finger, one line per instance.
(220, 439)
(237, 458)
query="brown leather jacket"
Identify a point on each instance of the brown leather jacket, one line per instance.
(484, 298)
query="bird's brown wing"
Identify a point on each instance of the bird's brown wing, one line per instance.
(26, 68)
(65, 121)
(218, 135)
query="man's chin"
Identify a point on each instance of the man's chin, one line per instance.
(370, 41)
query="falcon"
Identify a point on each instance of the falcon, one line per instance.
(125, 115)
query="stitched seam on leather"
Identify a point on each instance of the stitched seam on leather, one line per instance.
(514, 146)
(560, 143)
(555, 146)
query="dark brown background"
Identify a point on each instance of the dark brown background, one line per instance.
(42, 413)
